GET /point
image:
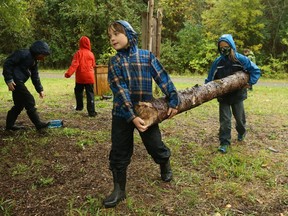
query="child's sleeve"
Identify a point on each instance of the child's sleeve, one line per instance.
(8, 67)
(164, 82)
(122, 101)
(253, 70)
(74, 65)
(36, 79)
(212, 71)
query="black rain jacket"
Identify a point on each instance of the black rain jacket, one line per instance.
(22, 64)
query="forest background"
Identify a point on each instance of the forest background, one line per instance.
(189, 34)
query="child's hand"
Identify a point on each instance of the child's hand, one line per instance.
(66, 75)
(140, 124)
(11, 86)
(171, 112)
(41, 94)
(248, 86)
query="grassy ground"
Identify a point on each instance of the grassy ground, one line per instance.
(65, 171)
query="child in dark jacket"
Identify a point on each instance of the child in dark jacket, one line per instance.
(130, 75)
(17, 69)
(84, 63)
(229, 62)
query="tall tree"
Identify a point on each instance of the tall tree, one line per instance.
(64, 22)
(276, 17)
(176, 13)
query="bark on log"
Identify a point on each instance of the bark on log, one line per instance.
(156, 111)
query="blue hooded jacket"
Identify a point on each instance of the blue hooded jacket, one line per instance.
(130, 75)
(22, 64)
(223, 67)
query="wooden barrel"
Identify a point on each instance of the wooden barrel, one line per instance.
(101, 86)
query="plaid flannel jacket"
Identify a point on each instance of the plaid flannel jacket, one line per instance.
(130, 78)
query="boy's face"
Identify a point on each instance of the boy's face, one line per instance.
(40, 57)
(118, 40)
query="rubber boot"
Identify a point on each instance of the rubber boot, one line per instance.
(34, 117)
(10, 121)
(118, 194)
(166, 171)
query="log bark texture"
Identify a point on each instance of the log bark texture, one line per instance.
(156, 111)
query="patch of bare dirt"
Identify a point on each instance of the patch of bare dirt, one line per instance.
(76, 159)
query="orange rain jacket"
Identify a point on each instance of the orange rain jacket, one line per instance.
(83, 63)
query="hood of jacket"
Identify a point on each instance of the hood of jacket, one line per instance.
(84, 43)
(228, 39)
(39, 48)
(131, 35)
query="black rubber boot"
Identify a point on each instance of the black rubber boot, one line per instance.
(118, 194)
(10, 121)
(34, 117)
(15, 128)
(166, 171)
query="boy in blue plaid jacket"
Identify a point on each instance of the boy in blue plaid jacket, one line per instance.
(130, 75)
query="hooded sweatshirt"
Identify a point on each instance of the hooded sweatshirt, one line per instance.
(223, 67)
(130, 75)
(22, 64)
(83, 63)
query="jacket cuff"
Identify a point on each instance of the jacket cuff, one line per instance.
(9, 81)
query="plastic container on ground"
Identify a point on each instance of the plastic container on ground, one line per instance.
(56, 123)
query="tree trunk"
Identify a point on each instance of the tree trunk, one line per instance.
(156, 111)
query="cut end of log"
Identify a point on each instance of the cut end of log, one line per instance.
(147, 112)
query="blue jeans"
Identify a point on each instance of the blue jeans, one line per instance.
(225, 115)
(122, 144)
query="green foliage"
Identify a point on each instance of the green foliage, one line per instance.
(6, 206)
(91, 206)
(63, 23)
(239, 18)
(170, 59)
(189, 32)
(276, 20)
(44, 182)
(15, 25)
(176, 13)
(276, 68)
(191, 52)
(200, 50)
(105, 56)
(20, 169)
(235, 166)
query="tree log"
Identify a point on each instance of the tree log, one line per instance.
(155, 111)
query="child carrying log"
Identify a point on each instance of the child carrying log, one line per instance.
(130, 75)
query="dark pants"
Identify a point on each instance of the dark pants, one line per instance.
(89, 89)
(22, 98)
(122, 144)
(225, 120)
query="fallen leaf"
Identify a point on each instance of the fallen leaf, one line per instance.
(228, 206)
(272, 149)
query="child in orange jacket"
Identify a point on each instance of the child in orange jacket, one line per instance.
(83, 64)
